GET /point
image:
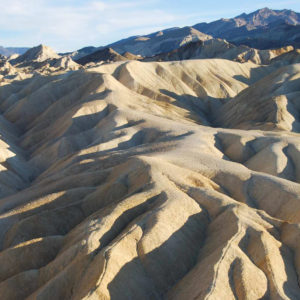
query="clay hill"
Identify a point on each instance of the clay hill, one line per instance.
(151, 180)
(175, 178)
(37, 60)
(36, 54)
(106, 55)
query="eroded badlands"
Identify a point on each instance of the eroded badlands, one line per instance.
(136, 180)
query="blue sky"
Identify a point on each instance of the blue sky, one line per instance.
(68, 25)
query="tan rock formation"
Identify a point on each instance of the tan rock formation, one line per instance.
(116, 182)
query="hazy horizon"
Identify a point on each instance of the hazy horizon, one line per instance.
(69, 25)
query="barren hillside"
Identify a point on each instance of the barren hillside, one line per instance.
(158, 180)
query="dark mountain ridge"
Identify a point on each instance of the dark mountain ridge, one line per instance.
(262, 29)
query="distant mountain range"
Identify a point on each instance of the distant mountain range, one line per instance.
(227, 28)
(151, 44)
(161, 41)
(10, 50)
(262, 29)
(219, 48)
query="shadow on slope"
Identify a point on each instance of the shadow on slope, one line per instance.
(150, 276)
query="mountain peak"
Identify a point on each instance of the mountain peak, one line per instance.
(265, 16)
(250, 28)
(265, 9)
(38, 54)
(41, 53)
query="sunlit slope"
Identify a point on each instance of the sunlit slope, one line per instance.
(271, 103)
(129, 187)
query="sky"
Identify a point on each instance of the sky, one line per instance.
(67, 25)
